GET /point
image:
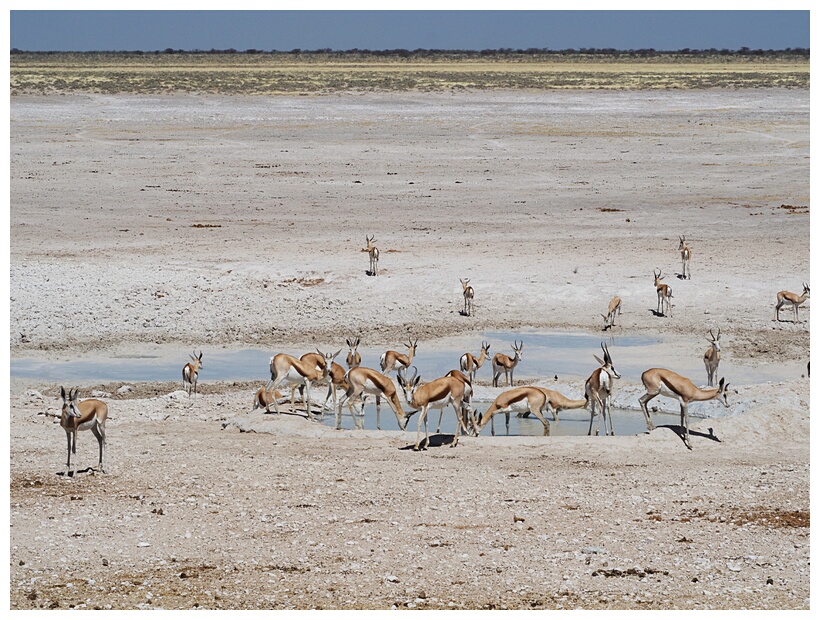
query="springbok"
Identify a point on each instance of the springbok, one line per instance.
(664, 294)
(527, 399)
(285, 368)
(598, 391)
(373, 251)
(609, 317)
(362, 381)
(685, 255)
(671, 384)
(468, 293)
(502, 362)
(263, 398)
(784, 297)
(335, 376)
(353, 357)
(393, 360)
(466, 402)
(436, 394)
(470, 364)
(711, 358)
(76, 416)
(559, 402)
(190, 372)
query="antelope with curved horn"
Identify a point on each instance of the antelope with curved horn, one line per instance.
(507, 364)
(685, 255)
(609, 317)
(353, 357)
(785, 297)
(470, 364)
(362, 381)
(436, 394)
(393, 360)
(77, 416)
(711, 358)
(664, 295)
(667, 383)
(190, 372)
(469, 294)
(598, 391)
(527, 399)
(373, 251)
(285, 368)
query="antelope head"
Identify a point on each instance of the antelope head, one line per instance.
(370, 240)
(464, 283)
(196, 359)
(408, 384)
(682, 242)
(658, 277)
(607, 363)
(329, 357)
(70, 404)
(518, 348)
(714, 341)
(806, 289)
(485, 347)
(411, 345)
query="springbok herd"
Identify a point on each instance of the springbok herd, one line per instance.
(454, 389)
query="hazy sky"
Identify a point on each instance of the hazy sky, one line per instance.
(375, 30)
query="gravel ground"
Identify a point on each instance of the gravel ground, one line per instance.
(156, 225)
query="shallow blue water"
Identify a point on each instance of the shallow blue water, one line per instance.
(574, 422)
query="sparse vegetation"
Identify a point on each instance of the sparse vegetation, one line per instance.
(254, 72)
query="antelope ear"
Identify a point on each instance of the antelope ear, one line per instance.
(62, 392)
(337, 353)
(721, 383)
(599, 360)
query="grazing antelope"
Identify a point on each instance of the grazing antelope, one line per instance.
(671, 384)
(353, 357)
(712, 357)
(685, 255)
(393, 360)
(507, 364)
(285, 368)
(609, 317)
(784, 297)
(470, 364)
(559, 402)
(436, 394)
(664, 294)
(190, 372)
(373, 251)
(361, 381)
(468, 293)
(527, 399)
(598, 391)
(76, 416)
(263, 398)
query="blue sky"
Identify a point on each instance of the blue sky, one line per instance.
(375, 30)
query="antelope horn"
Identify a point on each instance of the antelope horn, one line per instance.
(718, 337)
(712, 335)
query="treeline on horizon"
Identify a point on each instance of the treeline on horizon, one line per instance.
(422, 53)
